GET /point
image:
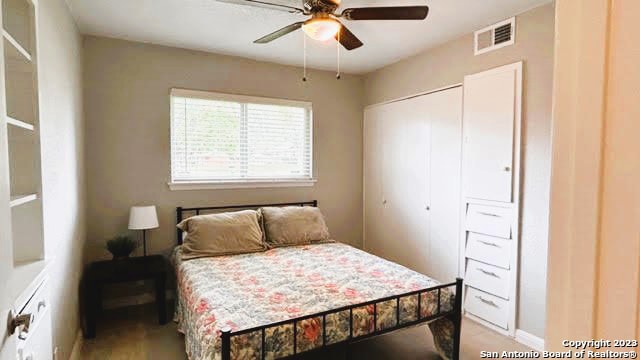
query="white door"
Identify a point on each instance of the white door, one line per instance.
(412, 182)
(445, 115)
(7, 342)
(373, 194)
(416, 177)
(394, 184)
(489, 132)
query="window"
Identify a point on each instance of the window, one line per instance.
(228, 141)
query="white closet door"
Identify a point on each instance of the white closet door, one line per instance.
(488, 134)
(445, 115)
(373, 195)
(412, 182)
(417, 142)
(394, 182)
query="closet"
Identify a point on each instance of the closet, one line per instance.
(442, 188)
(412, 164)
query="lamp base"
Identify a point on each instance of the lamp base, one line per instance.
(144, 242)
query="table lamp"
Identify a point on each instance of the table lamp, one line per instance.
(143, 218)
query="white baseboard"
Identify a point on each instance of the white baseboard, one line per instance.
(529, 340)
(139, 299)
(77, 347)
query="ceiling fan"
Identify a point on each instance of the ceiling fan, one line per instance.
(324, 23)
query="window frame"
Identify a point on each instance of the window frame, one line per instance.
(236, 183)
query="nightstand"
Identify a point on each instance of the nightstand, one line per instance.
(99, 273)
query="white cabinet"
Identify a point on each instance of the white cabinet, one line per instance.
(490, 195)
(36, 343)
(489, 249)
(489, 122)
(412, 165)
(490, 220)
(488, 277)
(487, 307)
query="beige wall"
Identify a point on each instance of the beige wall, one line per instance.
(447, 64)
(126, 88)
(63, 173)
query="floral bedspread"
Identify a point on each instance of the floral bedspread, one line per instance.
(245, 291)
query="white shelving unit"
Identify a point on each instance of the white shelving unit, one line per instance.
(21, 124)
(21, 222)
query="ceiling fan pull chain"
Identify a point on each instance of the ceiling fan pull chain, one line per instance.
(304, 56)
(338, 48)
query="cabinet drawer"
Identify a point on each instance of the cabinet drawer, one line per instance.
(38, 345)
(37, 307)
(488, 278)
(489, 220)
(488, 307)
(489, 249)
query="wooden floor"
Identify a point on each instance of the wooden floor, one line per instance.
(134, 333)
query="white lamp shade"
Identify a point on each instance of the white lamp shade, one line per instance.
(143, 218)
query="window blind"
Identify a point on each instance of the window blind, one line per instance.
(227, 138)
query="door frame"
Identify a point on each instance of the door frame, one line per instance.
(593, 286)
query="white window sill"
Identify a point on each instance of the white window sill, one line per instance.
(249, 184)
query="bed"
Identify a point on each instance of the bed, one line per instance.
(289, 301)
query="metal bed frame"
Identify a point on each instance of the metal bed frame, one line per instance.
(454, 314)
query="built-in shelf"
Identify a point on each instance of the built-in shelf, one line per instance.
(18, 200)
(16, 45)
(18, 123)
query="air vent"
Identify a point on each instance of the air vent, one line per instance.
(495, 36)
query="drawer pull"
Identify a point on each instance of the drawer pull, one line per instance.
(489, 243)
(42, 304)
(488, 214)
(488, 302)
(490, 273)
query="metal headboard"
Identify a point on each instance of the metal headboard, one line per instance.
(198, 210)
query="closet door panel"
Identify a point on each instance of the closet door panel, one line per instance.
(373, 195)
(394, 182)
(418, 147)
(445, 114)
(412, 182)
(488, 134)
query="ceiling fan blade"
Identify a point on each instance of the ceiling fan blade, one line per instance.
(279, 33)
(387, 13)
(347, 38)
(265, 4)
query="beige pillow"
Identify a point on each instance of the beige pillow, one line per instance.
(222, 234)
(294, 225)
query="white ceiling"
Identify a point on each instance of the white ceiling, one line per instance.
(230, 29)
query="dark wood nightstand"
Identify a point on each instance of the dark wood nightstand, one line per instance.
(99, 273)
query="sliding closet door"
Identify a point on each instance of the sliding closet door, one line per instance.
(416, 176)
(394, 182)
(412, 182)
(373, 194)
(445, 117)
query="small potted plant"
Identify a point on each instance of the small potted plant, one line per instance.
(121, 247)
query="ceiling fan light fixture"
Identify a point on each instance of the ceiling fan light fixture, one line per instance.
(321, 29)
